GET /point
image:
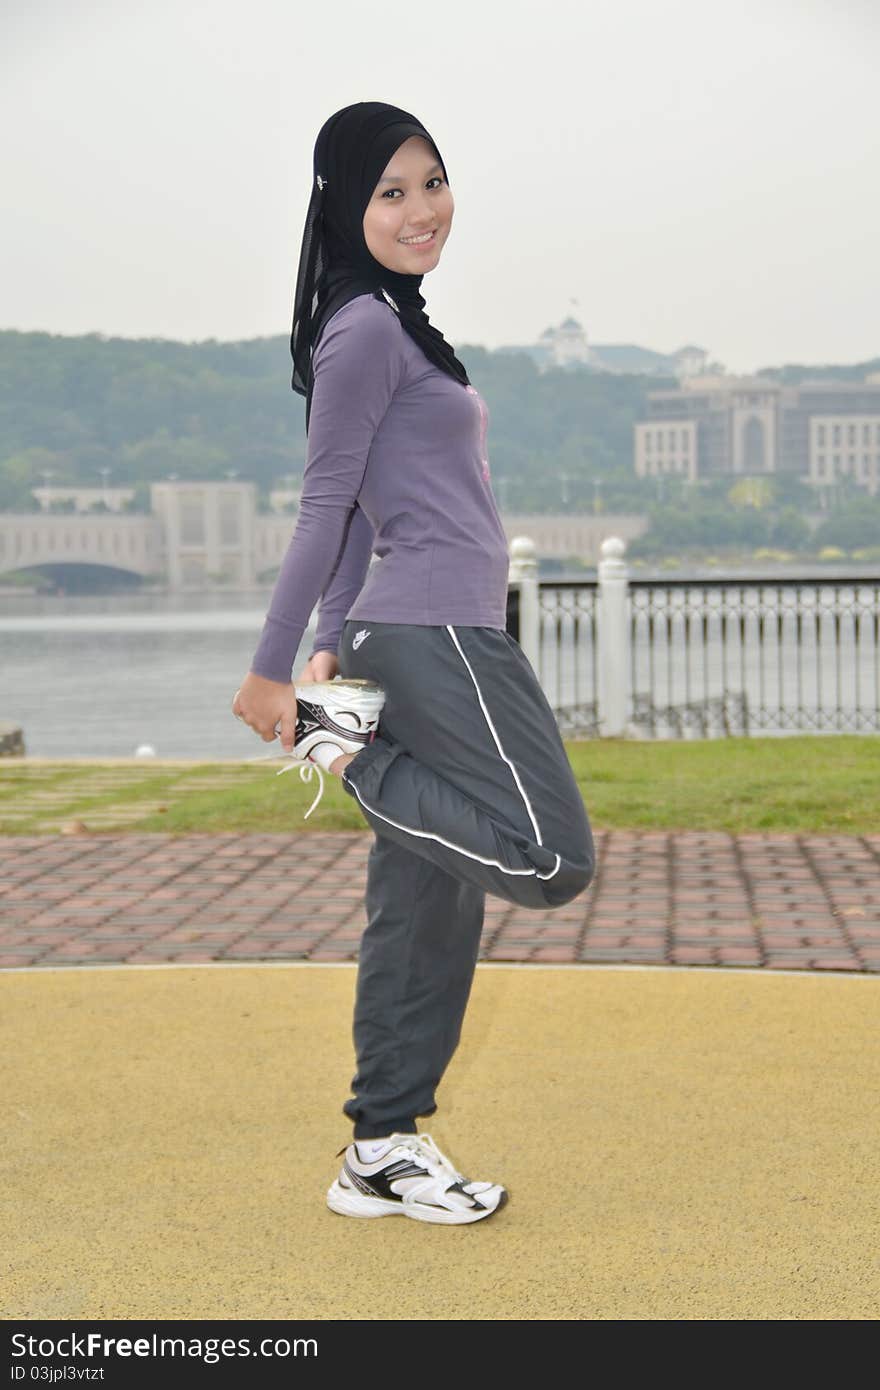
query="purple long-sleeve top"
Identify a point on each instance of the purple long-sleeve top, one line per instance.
(396, 467)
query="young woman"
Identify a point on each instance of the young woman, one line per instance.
(438, 728)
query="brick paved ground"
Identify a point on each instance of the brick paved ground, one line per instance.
(685, 898)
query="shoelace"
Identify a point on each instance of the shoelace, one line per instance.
(307, 771)
(423, 1147)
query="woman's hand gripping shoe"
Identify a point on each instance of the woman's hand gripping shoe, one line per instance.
(332, 718)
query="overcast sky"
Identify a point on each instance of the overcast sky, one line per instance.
(670, 171)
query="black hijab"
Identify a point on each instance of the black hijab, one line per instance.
(353, 147)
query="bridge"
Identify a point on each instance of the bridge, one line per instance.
(133, 543)
(196, 533)
(199, 533)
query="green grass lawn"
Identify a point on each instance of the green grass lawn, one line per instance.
(806, 783)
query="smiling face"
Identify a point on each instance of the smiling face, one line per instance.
(411, 198)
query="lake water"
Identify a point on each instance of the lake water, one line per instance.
(96, 676)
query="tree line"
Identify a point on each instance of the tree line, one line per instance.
(74, 410)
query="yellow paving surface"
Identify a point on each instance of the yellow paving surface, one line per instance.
(677, 1144)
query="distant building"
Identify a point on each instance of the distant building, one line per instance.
(212, 533)
(567, 346)
(712, 426)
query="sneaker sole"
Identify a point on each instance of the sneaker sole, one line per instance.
(354, 1204)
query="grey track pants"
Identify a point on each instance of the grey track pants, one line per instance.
(469, 790)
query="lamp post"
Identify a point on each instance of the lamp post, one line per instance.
(47, 476)
(105, 473)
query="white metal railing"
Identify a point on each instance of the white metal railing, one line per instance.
(624, 657)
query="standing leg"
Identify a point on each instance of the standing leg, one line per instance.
(468, 788)
(415, 971)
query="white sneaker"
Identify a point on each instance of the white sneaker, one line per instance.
(332, 717)
(412, 1178)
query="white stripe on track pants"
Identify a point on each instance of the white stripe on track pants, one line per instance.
(469, 790)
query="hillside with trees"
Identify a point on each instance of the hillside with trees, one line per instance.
(138, 410)
(145, 408)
